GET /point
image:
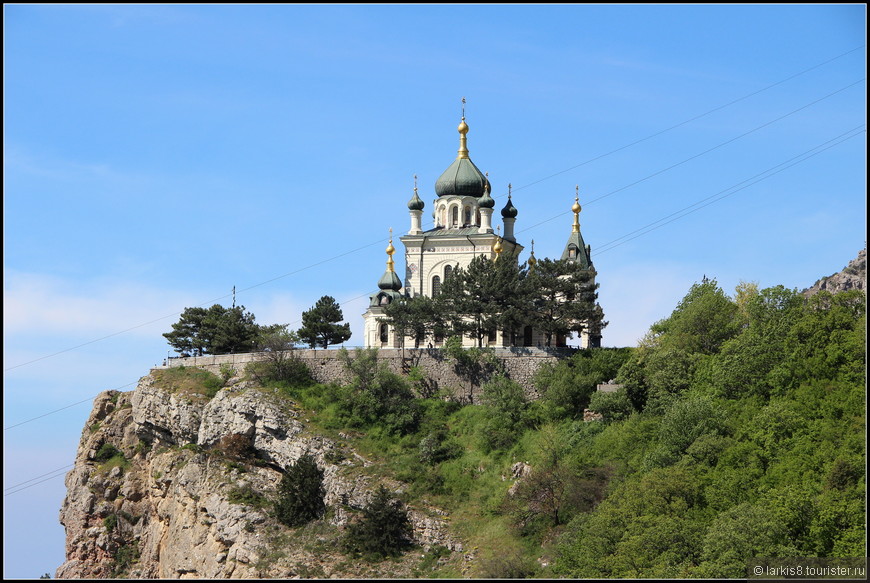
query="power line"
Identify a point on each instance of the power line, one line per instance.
(697, 117)
(698, 155)
(62, 408)
(525, 186)
(16, 488)
(606, 247)
(734, 189)
(773, 170)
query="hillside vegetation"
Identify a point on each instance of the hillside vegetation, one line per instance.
(739, 432)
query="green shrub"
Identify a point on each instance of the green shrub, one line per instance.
(300, 493)
(106, 452)
(383, 530)
(228, 371)
(281, 367)
(437, 447)
(507, 404)
(246, 496)
(124, 558)
(567, 385)
(614, 406)
(110, 522)
(376, 395)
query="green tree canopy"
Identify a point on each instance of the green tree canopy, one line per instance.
(320, 324)
(383, 530)
(216, 330)
(300, 493)
(563, 299)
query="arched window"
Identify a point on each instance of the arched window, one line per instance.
(572, 252)
(436, 286)
(454, 217)
(385, 299)
(384, 333)
(467, 215)
(447, 271)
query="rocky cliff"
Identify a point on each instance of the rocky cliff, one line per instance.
(853, 276)
(170, 483)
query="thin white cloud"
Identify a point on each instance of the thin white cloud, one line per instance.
(50, 305)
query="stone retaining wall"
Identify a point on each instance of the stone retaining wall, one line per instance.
(439, 370)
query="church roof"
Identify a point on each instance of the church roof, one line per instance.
(580, 255)
(462, 177)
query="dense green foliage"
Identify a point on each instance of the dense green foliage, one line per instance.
(752, 411)
(739, 432)
(382, 530)
(503, 295)
(280, 362)
(320, 324)
(300, 493)
(216, 330)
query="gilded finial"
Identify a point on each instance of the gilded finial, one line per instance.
(463, 130)
(390, 250)
(496, 246)
(532, 259)
(576, 209)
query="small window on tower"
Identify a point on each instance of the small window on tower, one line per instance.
(468, 215)
(384, 333)
(454, 217)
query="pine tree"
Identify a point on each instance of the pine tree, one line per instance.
(320, 325)
(300, 493)
(384, 529)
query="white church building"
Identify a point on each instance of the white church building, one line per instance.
(463, 230)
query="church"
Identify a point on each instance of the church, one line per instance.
(463, 230)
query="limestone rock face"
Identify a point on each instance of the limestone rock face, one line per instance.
(171, 501)
(853, 276)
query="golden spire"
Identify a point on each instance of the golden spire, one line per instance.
(532, 260)
(496, 246)
(463, 129)
(576, 208)
(390, 250)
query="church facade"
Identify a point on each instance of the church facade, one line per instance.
(463, 230)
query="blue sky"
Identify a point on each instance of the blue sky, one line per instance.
(157, 156)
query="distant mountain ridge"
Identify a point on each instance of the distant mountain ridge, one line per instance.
(853, 276)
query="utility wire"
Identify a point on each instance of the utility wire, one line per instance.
(297, 271)
(62, 408)
(697, 117)
(16, 488)
(773, 170)
(606, 247)
(732, 190)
